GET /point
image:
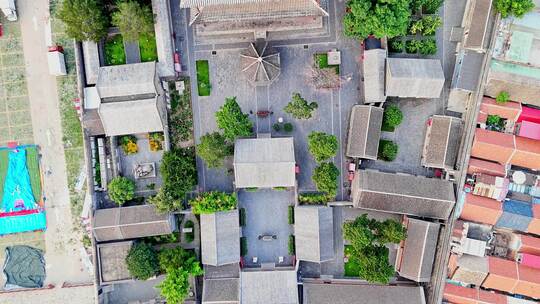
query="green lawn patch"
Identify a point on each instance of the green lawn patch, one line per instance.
(32, 163)
(114, 50)
(203, 78)
(147, 47)
(321, 61)
(351, 269)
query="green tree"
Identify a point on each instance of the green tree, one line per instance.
(213, 149)
(177, 257)
(388, 150)
(322, 146)
(299, 108)
(133, 20)
(367, 238)
(503, 97)
(325, 177)
(175, 287)
(121, 189)
(84, 19)
(164, 202)
(142, 261)
(214, 201)
(430, 24)
(516, 8)
(392, 116)
(233, 121)
(380, 18)
(179, 172)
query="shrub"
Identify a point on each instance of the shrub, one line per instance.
(179, 172)
(142, 261)
(292, 247)
(242, 216)
(428, 47)
(322, 146)
(503, 97)
(314, 198)
(430, 24)
(387, 150)
(233, 121)
(213, 149)
(431, 6)
(175, 287)
(392, 117)
(299, 108)
(86, 241)
(133, 20)
(164, 201)
(180, 118)
(84, 19)
(121, 189)
(276, 127)
(416, 27)
(290, 215)
(251, 189)
(412, 46)
(396, 45)
(178, 257)
(129, 144)
(243, 246)
(288, 127)
(214, 201)
(279, 188)
(325, 177)
(516, 8)
(178, 264)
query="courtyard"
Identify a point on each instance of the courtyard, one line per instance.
(266, 215)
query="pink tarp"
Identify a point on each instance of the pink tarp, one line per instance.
(530, 260)
(529, 114)
(529, 129)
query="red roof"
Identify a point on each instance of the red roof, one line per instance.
(484, 166)
(527, 153)
(510, 110)
(481, 209)
(530, 260)
(530, 244)
(494, 146)
(464, 295)
(529, 114)
(502, 267)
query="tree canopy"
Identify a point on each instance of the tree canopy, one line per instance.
(214, 201)
(367, 238)
(325, 177)
(84, 19)
(233, 121)
(516, 8)
(392, 116)
(133, 20)
(121, 189)
(299, 108)
(142, 261)
(213, 149)
(179, 172)
(178, 264)
(379, 18)
(175, 286)
(322, 146)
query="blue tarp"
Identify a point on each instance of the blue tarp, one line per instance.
(17, 188)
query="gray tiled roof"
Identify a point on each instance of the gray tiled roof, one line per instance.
(314, 233)
(364, 294)
(264, 162)
(220, 238)
(419, 250)
(364, 132)
(162, 27)
(403, 194)
(91, 61)
(131, 117)
(271, 286)
(130, 222)
(112, 261)
(127, 80)
(442, 142)
(476, 26)
(374, 69)
(467, 73)
(410, 77)
(222, 291)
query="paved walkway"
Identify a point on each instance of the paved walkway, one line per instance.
(62, 255)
